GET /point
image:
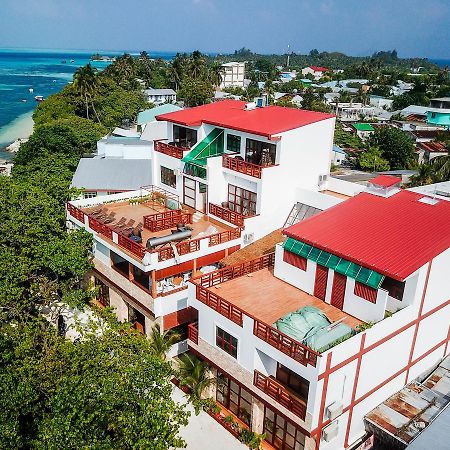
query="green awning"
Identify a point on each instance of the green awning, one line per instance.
(212, 145)
(194, 170)
(340, 265)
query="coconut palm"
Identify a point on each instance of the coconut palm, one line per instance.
(424, 175)
(197, 64)
(441, 167)
(85, 81)
(216, 73)
(161, 342)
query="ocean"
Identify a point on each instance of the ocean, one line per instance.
(44, 71)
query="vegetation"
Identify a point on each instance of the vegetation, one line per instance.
(345, 139)
(372, 160)
(161, 341)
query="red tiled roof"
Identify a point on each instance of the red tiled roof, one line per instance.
(266, 121)
(383, 234)
(385, 180)
(319, 69)
(433, 147)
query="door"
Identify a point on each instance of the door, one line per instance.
(338, 291)
(189, 192)
(203, 198)
(320, 285)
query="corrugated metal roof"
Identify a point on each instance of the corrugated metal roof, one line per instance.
(112, 174)
(149, 114)
(386, 180)
(383, 234)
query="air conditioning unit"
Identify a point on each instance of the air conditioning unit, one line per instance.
(330, 432)
(249, 238)
(322, 179)
(334, 410)
(250, 106)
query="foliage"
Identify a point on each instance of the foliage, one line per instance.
(55, 107)
(345, 139)
(372, 159)
(104, 392)
(364, 326)
(396, 147)
(441, 167)
(424, 175)
(312, 101)
(409, 98)
(160, 342)
(195, 92)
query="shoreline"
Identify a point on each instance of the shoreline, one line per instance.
(13, 133)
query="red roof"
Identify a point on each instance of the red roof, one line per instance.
(385, 180)
(433, 147)
(319, 69)
(266, 121)
(385, 234)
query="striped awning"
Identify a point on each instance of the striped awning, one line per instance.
(340, 265)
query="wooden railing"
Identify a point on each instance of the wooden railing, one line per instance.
(193, 332)
(75, 212)
(100, 227)
(224, 236)
(220, 305)
(238, 165)
(235, 271)
(299, 352)
(280, 394)
(130, 245)
(227, 215)
(170, 150)
(166, 219)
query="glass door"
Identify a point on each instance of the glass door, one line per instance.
(189, 192)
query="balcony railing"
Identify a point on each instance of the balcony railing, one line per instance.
(133, 247)
(238, 165)
(169, 149)
(219, 304)
(227, 215)
(299, 352)
(75, 212)
(280, 394)
(100, 227)
(166, 219)
(193, 332)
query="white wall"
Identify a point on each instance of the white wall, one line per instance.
(154, 131)
(126, 151)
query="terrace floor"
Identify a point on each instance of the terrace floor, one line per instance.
(273, 298)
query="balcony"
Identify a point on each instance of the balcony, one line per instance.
(227, 215)
(241, 166)
(193, 332)
(166, 219)
(280, 394)
(170, 149)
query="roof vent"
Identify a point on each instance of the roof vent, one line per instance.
(250, 106)
(429, 200)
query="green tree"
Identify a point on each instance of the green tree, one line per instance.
(162, 341)
(195, 92)
(372, 159)
(396, 147)
(85, 81)
(424, 175)
(216, 74)
(441, 167)
(55, 107)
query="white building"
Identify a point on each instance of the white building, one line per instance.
(160, 96)
(316, 71)
(381, 102)
(338, 155)
(350, 308)
(233, 74)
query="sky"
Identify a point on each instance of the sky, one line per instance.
(356, 27)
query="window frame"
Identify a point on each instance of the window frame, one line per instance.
(240, 199)
(90, 194)
(254, 151)
(166, 177)
(395, 288)
(234, 143)
(227, 340)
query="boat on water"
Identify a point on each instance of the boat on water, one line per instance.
(39, 98)
(72, 60)
(24, 100)
(63, 61)
(31, 90)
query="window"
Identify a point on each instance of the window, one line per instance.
(295, 260)
(241, 201)
(293, 381)
(184, 137)
(260, 153)
(226, 342)
(90, 194)
(168, 177)
(394, 287)
(233, 143)
(102, 293)
(365, 292)
(280, 433)
(235, 398)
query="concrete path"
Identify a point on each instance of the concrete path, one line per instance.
(203, 432)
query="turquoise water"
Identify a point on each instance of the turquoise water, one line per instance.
(45, 72)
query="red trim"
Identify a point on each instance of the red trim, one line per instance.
(295, 260)
(416, 329)
(365, 292)
(322, 401)
(355, 385)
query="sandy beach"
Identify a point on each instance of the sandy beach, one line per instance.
(20, 128)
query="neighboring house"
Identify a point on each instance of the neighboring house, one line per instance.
(352, 306)
(363, 130)
(438, 113)
(126, 133)
(381, 102)
(233, 74)
(6, 167)
(338, 155)
(122, 147)
(147, 116)
(429, 150)
(288, 76)
(159, 96)
(109, 176)
(315, 71)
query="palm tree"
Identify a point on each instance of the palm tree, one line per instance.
(161, 342)
(197, 64)
(424, 175)
(85, 81)
(216, 73)
(194, 373)
(441, 167)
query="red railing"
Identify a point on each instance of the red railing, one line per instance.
(225, 236)
(227, 215)
(235, 271)
(75, 212)
(193, 332)
(280, 394)
(220, 305)
(183, 248)
(299, 352)
(166, 219)
(100, 227)
(238, 165)
(133, 247)
(170, 150)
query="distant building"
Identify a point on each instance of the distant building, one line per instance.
(338, 156)
(233, 74)
(438, 112)
(288, 76)
(429, 150)
(363, 130)
(159, 96)
(315, 71)
(380, 102)
(147, 116)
